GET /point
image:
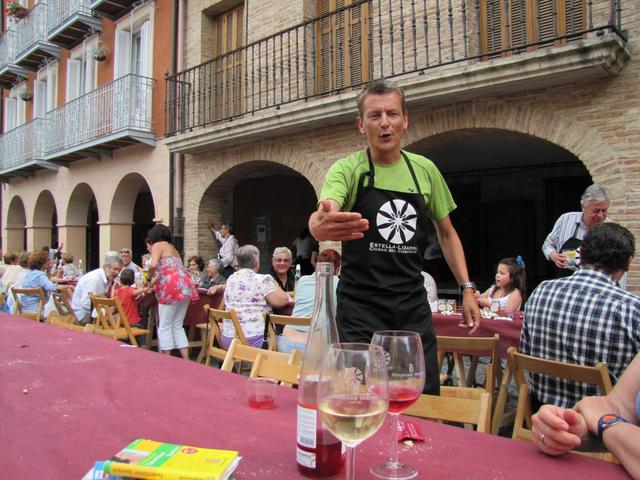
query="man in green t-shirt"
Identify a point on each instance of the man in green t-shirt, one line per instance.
(379, 203)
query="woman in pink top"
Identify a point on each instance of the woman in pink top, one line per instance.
(174, 290)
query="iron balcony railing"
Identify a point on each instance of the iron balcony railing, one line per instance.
(6, 50)
(124, 104)
(22, 145)
(374, 39)
(60, 11)
(31, 29)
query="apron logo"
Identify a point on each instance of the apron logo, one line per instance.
(396, 221)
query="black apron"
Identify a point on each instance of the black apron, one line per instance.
(572, 243)
(381, 287)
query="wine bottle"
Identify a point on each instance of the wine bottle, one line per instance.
(319, 453)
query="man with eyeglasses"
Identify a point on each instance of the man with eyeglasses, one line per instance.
(127, 259)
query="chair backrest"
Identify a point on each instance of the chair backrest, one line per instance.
(112, 321)
(519, 363)
(63, 307)
(17, 308)
(287, 374)
(213, 341)
(455, 404)
(232, 316)
(244, 353)
(475, 347)
(274, 321)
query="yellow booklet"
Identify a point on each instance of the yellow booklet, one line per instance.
(151, 460)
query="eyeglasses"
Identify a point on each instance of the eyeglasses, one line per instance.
(126, 251)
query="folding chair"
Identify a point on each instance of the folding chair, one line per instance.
(455, 404)
(17, 308)
(214, 333)
(274, 321)
(64, 317)
(244, 353)
(287, 374)
(114, 325)
(519, 363)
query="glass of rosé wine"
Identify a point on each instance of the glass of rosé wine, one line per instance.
(353, 395)
(404, 358)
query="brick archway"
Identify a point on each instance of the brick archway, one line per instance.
(15, 226)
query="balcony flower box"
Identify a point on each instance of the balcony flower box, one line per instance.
(16, 10)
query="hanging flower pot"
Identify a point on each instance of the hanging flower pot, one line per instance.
(16, 10)
(26, 95)
(100, 52)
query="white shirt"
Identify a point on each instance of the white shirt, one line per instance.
(228, 249)
(93, 282)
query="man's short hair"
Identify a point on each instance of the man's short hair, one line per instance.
(247, 256)
(279, 250)
(380, 87)
(230, 227)
(111, 259)
(607, 247)
(594, 193)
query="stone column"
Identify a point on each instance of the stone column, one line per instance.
(14, 240)
(38, 237)
(74, 238)
(114, 236)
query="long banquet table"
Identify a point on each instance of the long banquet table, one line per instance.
(69, 398)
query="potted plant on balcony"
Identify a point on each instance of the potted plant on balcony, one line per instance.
(26, 95)
(100, 52)
(16, 10)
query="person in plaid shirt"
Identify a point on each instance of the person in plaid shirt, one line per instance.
(585, 318)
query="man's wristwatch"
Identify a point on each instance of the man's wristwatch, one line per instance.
(609, 420)
(465, 285)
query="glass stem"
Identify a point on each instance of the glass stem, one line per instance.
(351, 463)
(394, 438)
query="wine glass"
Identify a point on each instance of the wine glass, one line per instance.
(353, 394)
(405, 368)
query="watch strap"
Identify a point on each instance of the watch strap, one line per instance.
(465, 285)
(608, 420)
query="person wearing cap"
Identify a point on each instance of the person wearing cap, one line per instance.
(127, 259)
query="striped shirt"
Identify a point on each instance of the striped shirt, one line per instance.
(585, 319)
(568, 225)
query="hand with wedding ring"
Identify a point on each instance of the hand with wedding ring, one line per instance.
(557, 430)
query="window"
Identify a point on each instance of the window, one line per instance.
(14, 108)
(82, 72)
(343, 45)
(513, 23)
(45, 91)
(133, 49)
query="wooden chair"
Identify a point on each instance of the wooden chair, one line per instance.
(287, 374)
(456, 404)
(213, 334)
(274, 321)
(64, 317)
(244, 353)
(519, 363)
(17, 308)
(475, 347)
(112, 321)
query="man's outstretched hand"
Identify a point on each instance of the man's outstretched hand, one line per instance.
(329, 223)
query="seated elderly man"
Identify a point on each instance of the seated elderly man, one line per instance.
(128, 263)
(250, 294)
(281, 269)
(585, 318)
(98, 282)
(214, 281)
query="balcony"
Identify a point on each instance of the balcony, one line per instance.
(308, 75)
(70, 21)
(112, 116)
(112, 9)
(22, 151)
(10, 73)
(31, 46)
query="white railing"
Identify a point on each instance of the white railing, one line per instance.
(124, 104)
(59, 11)
(6, 49)
(31, 29)
(23, 144)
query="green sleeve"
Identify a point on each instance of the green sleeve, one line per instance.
(340, 183)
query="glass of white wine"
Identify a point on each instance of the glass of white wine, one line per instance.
(404, 359)
(353, 394)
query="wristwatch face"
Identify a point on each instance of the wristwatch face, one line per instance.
(466, 285)
(609, 420)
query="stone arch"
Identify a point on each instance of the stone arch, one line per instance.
(45, 213)
(123, 229)
(16, 223)
(78, 205)
(576, 137)
(79, 232)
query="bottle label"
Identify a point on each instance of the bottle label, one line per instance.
(306, 431)
(306, 459)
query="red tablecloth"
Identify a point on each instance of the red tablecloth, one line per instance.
(447, 325)
(195, 312)
(87, 397)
